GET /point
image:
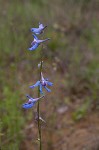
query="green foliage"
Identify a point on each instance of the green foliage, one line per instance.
(81, 111)
(11, 119)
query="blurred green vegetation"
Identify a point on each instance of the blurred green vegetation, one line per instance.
(73, 51)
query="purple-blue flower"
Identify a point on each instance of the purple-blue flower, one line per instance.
(38, 30)
(31, 102)
(42, 83)
(36, 42)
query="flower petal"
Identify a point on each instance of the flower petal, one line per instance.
(35, 37)
(36, 84)
(41, 25)
(28, 105)
(47, 89)
(34, 47)
(49, 83)
(28, 96)
(40, 88)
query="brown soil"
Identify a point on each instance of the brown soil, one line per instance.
(60, 131)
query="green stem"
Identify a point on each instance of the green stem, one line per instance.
(39, 126)
(0, 133)
(38, 107)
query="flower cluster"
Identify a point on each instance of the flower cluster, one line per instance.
(43, 82)
(36, 42)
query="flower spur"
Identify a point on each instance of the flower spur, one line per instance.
(31, 102)
(38, 30)
(36, 42)
(42, 83)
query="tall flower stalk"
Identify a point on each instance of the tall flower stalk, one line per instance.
(41, 83)
(38, 105)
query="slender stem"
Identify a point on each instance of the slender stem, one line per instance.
(0, 133)
(38, 106)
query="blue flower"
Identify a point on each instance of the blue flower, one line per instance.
(36, 42)
(31, 102)
(38, 30)
(42, 83)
